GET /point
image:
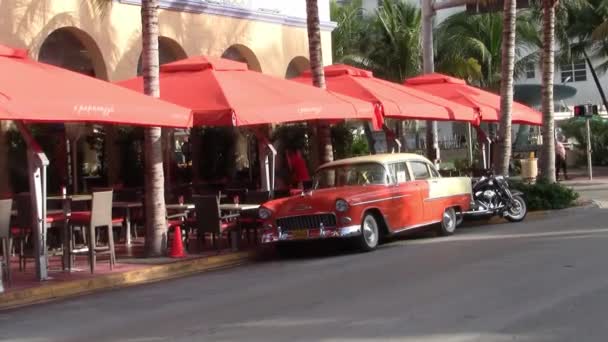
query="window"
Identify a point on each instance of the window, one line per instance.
(420, 170)
(399, 172)
(349, 175)
(574, 72)
(434, 172)
(530, 70)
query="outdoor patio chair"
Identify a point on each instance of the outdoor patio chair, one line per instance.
(22, 232)
(99, 216)
(137, 216)
(232, 193)
(209, 219)
(249, 219)
(5, 237)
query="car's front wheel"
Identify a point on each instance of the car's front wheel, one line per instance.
(370, 233)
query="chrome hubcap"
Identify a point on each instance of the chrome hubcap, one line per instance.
(449, 221)
(370, 232)
(516, 210)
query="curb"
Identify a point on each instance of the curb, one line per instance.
(498, 219)
(67, 289)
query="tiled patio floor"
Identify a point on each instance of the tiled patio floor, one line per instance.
(128, 259)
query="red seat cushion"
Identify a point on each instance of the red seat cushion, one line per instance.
(228, 225)
(56, 217)
(17, 231)
(84, 217)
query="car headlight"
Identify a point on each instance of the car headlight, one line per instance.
(264, 213)
(341, 205)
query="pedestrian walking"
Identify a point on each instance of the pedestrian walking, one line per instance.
(560, 159)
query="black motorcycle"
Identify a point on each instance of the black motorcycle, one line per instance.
(493, 197)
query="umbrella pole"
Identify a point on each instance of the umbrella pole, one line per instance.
(37, 163)
(470, 143)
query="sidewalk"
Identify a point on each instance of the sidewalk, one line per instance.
(595, 190)
(131, 269)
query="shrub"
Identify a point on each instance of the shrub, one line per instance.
(545, 196)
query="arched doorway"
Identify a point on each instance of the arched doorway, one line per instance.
(73, 49)
(244, 148)
(297, 66)
(241, 53)
(168, 51)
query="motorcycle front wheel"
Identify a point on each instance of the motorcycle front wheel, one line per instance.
(518, 210)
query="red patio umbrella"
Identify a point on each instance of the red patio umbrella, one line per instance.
(34, 91)
(456, 90)
(222, 92)
(397, 101)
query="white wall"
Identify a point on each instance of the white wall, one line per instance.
(586, 91)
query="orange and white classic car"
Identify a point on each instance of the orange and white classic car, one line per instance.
(366, 198)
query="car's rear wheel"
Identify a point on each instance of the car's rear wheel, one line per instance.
(370, 233)
(448, 222)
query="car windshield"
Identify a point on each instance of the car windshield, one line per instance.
(350, 174)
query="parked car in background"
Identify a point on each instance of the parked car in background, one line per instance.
(367, 198)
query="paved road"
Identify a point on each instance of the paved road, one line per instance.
(542, 280)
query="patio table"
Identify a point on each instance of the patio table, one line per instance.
(127, 206)
(233, 207)
(67, 237)
(238, 207)
(180, 207)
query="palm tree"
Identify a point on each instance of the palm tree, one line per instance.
(350, 38)
(324, 147)
(156, 221)
(469, 46)
(154, 182)
(397, 34)
(506, 87)
(547, 156)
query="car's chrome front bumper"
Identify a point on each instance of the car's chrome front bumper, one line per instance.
(311, 234)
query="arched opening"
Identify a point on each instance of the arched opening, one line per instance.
(241, 53)
(297, 66)
(73, 49)
(72, 158)
(168, 51)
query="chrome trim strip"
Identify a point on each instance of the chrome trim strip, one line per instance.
(350, 231)
(415, 226)
(443, 197)
(311, 214)
(380, 200)
(343, 232)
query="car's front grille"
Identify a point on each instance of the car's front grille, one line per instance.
(306, 222)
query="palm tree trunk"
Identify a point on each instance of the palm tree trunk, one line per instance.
(547, 157)
(506, 87)
(323, 131)
(156, 223)
(4, 170)
(112, 163)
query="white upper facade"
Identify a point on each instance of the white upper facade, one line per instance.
(577, 75)
(288, 12)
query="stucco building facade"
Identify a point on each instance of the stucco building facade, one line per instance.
(269, 35)
(105, 41)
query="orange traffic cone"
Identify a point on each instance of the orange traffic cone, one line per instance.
(177, 247)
